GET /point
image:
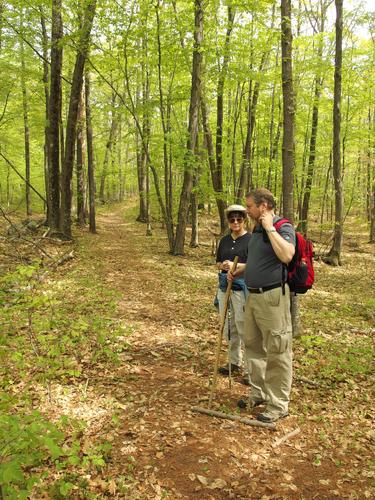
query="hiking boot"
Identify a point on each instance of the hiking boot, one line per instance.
(268, 417)
(245, 402)
(224, 370)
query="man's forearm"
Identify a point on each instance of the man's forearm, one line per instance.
(282, 248)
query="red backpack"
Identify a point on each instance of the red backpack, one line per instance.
(300, 269)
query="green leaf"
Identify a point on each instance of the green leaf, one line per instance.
(10, 472)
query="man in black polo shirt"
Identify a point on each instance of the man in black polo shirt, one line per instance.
(268, 328)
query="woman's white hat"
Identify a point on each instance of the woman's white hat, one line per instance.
(235, 208)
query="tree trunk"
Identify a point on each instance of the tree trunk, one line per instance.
(334, 255)
(272, 133)
(54, 118)
(288, 111)
(219, 122)
(190, 160)
(165, 122)
(370, 199)
(81, 211)
(90, 156)
(67, 170)
(108, 149)
(245, 180)
(47, 163)
(288, 134)
(141, 176)
(25, 124)
(216, 176)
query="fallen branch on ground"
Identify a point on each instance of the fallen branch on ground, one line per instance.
(282, 440)
(307, 381)
(236, 418)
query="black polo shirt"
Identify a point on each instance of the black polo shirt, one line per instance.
(229, 248)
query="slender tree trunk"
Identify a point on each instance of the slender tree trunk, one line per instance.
(81, 211)
(219, 121)
(288, 135)
(288, 111)
(334, 255)
(190, 160)
(372, 216)
(165, 121)
(54, 118)
(90, 155)
(216, 176)
(236, 115)
(67, 170)
(245, 178)
(25, 108)
(370, 176)
(108, 149)
(47, 163)
(272, 132)
(194, 241)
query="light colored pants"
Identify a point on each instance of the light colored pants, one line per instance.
(268, 346)
(236, 325)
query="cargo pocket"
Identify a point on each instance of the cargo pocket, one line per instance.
(279, 341)
(272, 297)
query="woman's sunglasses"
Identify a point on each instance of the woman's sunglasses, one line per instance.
(235, 219)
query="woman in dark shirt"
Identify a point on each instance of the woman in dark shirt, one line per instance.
(232, 245)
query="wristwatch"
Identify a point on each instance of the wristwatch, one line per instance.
(271, 230)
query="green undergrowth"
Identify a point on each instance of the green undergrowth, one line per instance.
(53, 327)
(341, 359)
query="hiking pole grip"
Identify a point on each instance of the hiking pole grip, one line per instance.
(220, 335)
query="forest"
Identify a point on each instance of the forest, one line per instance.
(126, 129)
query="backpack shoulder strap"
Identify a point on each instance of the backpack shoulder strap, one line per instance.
(280, 222)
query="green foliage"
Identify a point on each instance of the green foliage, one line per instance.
(47, 334)
(338, 361)
(26, 442)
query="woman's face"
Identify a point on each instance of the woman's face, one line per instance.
(236, 221)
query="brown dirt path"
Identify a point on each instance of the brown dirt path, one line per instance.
(161, 449)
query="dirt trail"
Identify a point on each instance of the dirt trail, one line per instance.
(161, 449)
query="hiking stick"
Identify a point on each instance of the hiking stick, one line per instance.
(230, 309)
(220, 334)
(229, 344)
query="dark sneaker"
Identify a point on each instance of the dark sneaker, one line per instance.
(271, 417)
(224, 370)
(245, 402)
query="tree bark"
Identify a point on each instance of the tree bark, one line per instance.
(288, 111)
(81, 210)
(318, 83)
(245, 178)
(25, 108)
(334, 255)
(370, 199)
(190, 160)
(216, 176)
(165, 122)
(54, 118)
(47, 163)
(221, 204)
(67, 170)
(90, 156)
(108, 149)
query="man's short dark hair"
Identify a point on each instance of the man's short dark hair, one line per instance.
(262, 195)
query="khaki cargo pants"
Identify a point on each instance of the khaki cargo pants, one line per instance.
(268, 344)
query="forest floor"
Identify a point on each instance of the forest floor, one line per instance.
(134, 396)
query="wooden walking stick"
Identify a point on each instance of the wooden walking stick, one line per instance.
(220, 334)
